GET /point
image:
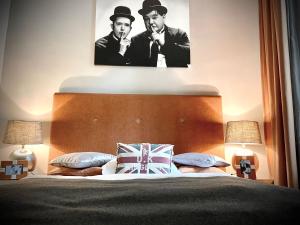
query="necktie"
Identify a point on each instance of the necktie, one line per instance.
(153, 54)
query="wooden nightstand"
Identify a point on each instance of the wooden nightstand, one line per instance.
(266, 181)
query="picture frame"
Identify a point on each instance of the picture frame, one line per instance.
(245, 167)
(13, 169)
(124, 38)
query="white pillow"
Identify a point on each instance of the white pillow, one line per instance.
(199, 159)
(221, 162)
(82, 159)
(111, 166)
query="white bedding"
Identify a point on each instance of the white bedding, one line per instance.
(131, 176)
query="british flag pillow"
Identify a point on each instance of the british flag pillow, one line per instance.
(144, 158)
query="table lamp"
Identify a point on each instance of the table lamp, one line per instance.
(244, 132)
(23, 133)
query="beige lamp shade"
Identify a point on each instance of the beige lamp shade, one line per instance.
(243, 132)
(23, 132)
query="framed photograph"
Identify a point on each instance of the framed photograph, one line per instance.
(245, 166)
(13, 170)
(142, 33)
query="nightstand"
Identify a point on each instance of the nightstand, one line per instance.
(266, 181)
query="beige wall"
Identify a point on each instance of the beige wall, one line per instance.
(50, 45)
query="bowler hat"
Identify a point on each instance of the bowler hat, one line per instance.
(122, 11)
(149, 5)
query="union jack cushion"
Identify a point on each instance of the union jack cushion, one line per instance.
(144, 158)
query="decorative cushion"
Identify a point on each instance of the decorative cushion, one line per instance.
(82, 159)
(111, 166)
(144, 158)
(64, 171)
(200, 160)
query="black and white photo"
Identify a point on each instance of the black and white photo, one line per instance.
(13, 170)
(245, 166)
(152, 33)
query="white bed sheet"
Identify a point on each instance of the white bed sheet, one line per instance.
(131, 176)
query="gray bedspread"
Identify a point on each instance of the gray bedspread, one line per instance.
(169, 201)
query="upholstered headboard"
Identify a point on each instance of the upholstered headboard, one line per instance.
(96, 122)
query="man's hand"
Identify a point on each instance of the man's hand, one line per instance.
(124, 44)
(102, 42)
(158, 38)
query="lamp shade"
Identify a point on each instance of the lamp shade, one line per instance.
(23, 132)
(243, 132)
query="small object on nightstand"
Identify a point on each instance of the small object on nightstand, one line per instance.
(13, 170)
(245, 167)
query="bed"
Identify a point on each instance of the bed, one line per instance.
(97, 122)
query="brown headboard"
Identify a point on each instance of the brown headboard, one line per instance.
(96, 122)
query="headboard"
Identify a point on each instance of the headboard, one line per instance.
(96, 122)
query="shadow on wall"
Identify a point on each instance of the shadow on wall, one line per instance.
(153, 81)
(9, 110)
(255, 113)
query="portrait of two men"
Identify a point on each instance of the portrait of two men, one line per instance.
(151, 33)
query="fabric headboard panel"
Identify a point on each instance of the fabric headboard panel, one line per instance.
(96, 122)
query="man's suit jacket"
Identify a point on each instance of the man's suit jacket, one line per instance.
(176, 48)
(109, 53)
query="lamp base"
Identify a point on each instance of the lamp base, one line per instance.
(24, 154)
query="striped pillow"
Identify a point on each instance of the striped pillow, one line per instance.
(144, 158)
